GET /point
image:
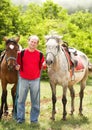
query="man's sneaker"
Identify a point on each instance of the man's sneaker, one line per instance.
(19, 122)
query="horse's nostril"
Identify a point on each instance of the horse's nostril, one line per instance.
(11, 67)
(51, 61)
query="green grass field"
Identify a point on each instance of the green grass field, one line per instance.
(74, 122)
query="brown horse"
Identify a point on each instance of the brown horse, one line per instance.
(62, 71)
(8, 74)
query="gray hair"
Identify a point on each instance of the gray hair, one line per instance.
(34, 37)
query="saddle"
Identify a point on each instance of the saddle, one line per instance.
(2, 56)
(74, 60)
(72, 52)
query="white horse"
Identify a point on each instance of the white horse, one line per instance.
(61, 71)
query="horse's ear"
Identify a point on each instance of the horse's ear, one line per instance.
(59, 39)
(5, 38)
(17, 39)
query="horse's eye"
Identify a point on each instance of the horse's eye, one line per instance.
(57, 47)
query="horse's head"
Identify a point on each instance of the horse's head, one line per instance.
(52, 48)
(11, 50)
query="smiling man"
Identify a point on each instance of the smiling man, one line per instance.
(29, 79)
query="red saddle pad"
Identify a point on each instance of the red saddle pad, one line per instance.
(80, 65)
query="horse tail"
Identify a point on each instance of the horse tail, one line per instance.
(90, 68)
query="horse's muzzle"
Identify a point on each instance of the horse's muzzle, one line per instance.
(49, 62)
(11, 67)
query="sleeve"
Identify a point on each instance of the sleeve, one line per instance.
(43, 64)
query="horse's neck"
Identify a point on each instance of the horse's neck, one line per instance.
(61, 61)
(3, 63)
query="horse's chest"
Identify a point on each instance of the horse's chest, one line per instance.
(10, 76)
(56, 76)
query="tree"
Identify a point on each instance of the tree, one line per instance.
(9, 17)
(50, 10)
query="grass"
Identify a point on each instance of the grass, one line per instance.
(74, 122)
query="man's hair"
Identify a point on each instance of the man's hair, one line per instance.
(34, 37)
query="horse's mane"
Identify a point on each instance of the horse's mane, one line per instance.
(58, 38)
(54, 36)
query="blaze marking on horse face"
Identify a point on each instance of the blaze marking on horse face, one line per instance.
(11, 46)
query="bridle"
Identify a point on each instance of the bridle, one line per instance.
(12, 66)
(49, 62)
(51, 53)
(10, 58)
(54, 55)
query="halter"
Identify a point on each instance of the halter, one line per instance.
(10, 67)
(10, 58)
(8, 41)
(54, 54)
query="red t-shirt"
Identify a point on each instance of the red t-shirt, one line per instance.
(31, 64)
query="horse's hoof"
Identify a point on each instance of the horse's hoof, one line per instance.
(0, 118)
(80, 114)
(5, 113)
(1, 115)
(64, 118)
(71, 113)
(52, 118)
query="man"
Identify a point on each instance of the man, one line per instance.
(29, 79)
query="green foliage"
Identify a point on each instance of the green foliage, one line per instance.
(82, 20)
(50, 10)
(83, 38)
(4, 22)
(8, 20)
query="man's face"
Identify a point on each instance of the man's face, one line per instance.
(33, 43)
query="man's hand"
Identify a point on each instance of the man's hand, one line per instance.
(17, 67)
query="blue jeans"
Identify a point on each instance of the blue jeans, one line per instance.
(34, 87)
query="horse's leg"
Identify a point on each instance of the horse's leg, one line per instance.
(13, 93)
(81, 94)
(53, 88)
(6, 106)
(72, 94)
(3, 98)
(64, 101)
(3, 102)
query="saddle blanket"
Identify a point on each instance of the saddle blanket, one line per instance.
(80, 65)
